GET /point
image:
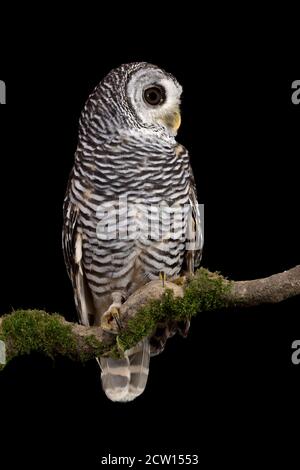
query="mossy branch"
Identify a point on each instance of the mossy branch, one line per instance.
(26, 331)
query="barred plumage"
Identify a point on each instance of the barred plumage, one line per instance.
(122, 226)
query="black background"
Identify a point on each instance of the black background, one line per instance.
(229, 392)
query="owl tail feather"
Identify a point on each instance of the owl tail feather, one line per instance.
(125, 379)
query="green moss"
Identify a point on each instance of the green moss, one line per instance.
(143, 324)
(27, 331)
(204, 292)
(94, 348)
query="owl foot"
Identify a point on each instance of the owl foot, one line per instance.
(163, 277)
(110, 320)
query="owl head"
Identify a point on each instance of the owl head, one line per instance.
(154, 96)
(134, 96)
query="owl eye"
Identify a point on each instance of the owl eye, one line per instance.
(154, 95)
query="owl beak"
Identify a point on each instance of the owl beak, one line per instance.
(173, 120)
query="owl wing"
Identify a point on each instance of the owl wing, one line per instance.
(195, 238)
(72, 250)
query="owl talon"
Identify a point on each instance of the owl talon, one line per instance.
(163, 277)
(110, 320)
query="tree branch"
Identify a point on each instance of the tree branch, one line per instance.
(27, 331)
(269, 290)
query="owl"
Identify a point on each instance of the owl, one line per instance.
(130, 212)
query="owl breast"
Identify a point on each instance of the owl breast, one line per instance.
(133, 211)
